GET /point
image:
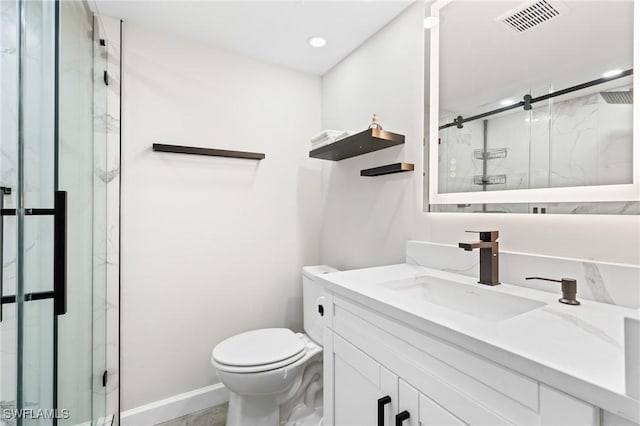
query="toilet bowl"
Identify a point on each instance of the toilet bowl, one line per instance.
(274, 376)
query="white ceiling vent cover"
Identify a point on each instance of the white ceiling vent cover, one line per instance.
(531, 14)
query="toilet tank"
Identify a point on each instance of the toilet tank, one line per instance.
(312, 295)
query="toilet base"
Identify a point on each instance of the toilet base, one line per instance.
(301, 405)
(253, 410)
(261, 411)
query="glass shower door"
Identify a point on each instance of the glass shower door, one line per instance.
(81, 169)
(51, 346)
(8, 145)
(33, 215)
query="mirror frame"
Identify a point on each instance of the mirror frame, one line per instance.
(597, 193)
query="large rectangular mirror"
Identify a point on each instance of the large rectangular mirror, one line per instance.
(532, 106)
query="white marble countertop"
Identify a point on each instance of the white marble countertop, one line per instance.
(576, 349)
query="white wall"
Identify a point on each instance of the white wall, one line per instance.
(367, 220)
(210, 246)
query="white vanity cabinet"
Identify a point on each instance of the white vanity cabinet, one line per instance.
(363, 389)
(369, 356)
(366, 393)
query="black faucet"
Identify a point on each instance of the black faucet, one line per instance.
(488, 246)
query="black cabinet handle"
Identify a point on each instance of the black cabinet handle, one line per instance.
(381, 403)
(401, 417)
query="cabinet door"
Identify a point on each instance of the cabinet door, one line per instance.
(558, 408)
(361, 385)
(408, 405)
(431, 414)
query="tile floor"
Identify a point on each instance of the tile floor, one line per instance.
(214, 416)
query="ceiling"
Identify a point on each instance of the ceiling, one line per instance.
(484, 61)
(272, 31)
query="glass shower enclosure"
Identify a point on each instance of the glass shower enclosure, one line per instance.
(53, 223)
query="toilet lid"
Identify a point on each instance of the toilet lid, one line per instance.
(258, 347)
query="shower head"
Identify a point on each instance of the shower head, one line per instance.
(625, 97)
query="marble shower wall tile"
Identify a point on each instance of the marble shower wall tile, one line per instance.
(615, 147)
(612, 283)
(8, 88)
(574, 147)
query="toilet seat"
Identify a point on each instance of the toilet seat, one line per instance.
(258, 350)
(256, 368)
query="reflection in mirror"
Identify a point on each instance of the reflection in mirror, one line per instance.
(610, 208)
(535, 94)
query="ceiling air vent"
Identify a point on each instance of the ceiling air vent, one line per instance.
(531, 14)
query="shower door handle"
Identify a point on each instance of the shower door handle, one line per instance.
(59, 213)
(60, 253)
(4, 190)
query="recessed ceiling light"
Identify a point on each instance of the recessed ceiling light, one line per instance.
(430, 22)
(317, 41)
(507, 102)
(611, 73)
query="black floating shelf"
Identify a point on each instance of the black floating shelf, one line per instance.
(388, 169)
(361, 143)
(178, 149)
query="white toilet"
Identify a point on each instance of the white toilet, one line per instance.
(274, 376)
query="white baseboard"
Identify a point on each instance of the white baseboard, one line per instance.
(175, 406)
(101, 421)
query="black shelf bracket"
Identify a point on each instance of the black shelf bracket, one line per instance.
(178, 149)
(388, 169)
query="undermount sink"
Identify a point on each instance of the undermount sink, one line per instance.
(482, 303)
